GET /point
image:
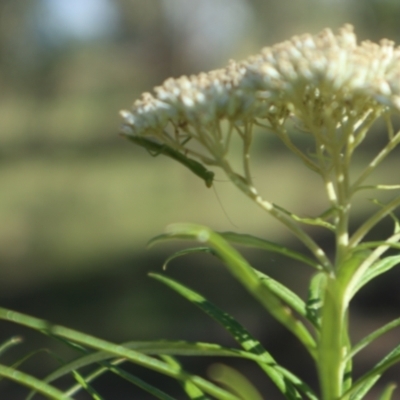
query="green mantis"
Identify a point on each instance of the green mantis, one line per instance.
(157, 148)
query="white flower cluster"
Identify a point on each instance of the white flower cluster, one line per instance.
(325, 74)
(332, 71)
(197, 100)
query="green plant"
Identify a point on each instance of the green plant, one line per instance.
(333, 90)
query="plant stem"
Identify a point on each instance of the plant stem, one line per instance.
(331, 349)
(373, 220)
(377, 160)
(286, 220)
(334, 343)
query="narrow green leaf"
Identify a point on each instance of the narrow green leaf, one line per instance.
(281, 291)
(351, 271)
(84, 382)
(112, 367)
(193, 391)
(363, 389)
(283, 379)
(315, 298)
(87, 386)
(246, 275)
(33, 353)
(77, 387)
(373, 336)
(285, 294)
(262, 244)
(32, 383)
(376, 269)
(234, 381)
(10, 343)
(118, 350)
(157, 393)
(375, 373)
(247, 241)
(185, 252)
(388, 391)
(176, 348)
(240, 334)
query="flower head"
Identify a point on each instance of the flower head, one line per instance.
(327, 76)
(333, 87)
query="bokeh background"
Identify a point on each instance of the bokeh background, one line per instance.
(78, 203)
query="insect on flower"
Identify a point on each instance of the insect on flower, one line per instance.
(155, 149)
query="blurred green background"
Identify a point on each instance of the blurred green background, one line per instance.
(78, 203)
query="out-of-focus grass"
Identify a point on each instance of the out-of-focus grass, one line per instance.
(70, 120)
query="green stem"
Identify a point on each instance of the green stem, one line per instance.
(331, 347)
(341, 158)
(376, 161)
(372, 221)
(334, 344)
(281, 216)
